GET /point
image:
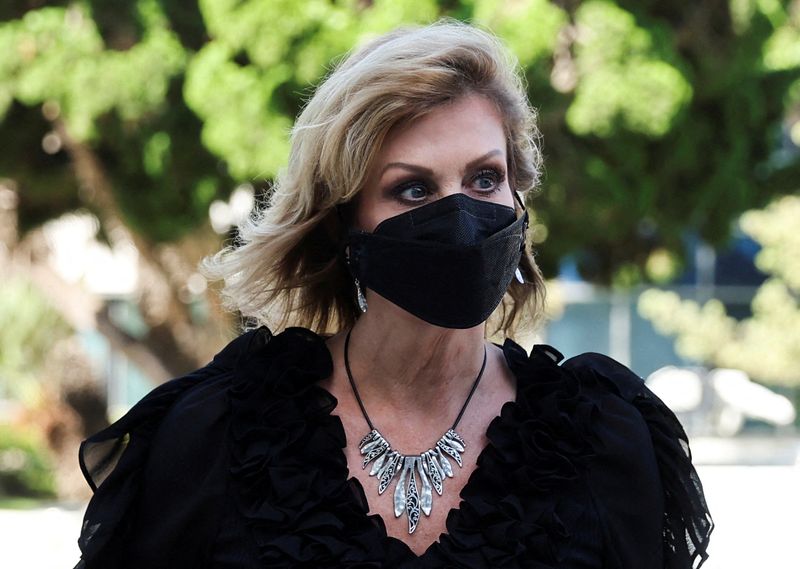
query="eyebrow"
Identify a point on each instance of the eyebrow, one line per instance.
(428, 172)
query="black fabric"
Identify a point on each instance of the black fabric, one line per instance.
(240, 465)
(687, 524)
(448, 262)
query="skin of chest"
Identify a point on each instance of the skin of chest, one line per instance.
(497, 388)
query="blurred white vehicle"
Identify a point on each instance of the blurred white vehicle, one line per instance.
(719, 400)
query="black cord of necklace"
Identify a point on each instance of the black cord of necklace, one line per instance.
(361, 404)
(352, 383)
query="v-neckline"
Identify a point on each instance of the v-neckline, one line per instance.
(455, 512)
(310, 506)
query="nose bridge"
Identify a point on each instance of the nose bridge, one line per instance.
(452, 184)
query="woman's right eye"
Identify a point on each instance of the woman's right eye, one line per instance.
(412, 192)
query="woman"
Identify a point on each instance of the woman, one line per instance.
(388, 432)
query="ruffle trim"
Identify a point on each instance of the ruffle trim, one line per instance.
(539, 444)
(290, 473)
(687, 520)
(285, 459)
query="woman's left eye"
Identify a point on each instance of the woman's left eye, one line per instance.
(487, 181)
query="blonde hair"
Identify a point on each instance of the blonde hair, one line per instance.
(288, 268)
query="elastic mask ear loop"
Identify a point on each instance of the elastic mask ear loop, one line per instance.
(521, 205)
(517, 271)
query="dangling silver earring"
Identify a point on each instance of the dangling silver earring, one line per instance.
(362, 300)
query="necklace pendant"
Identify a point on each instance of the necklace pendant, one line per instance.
(419, 474)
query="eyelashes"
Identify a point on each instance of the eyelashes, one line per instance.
(484, 182)
(410, 192)
(495, 176)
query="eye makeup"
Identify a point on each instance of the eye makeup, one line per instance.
(416, 188)
(493, 175)
(412, 192)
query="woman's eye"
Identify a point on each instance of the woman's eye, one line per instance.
(487, 180)
(412, 193)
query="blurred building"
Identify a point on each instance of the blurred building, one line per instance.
(597, 319)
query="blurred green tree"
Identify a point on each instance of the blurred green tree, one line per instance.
(656, 116)
(766, 345)
(29, 330)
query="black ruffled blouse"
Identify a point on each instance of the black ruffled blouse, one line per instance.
(240, 465)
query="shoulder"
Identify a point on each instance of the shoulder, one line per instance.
(608, 372)
(624, 476)
(169, 401)
(621, 425)
(646, 492)
(643, 479)
(622, 393)
(173, 431)
(199, 400)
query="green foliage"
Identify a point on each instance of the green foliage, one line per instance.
(656, 117)
(766, 345)
(234, 102)
(47, 181)
(529, 29)
(246, 83)
(626, 79)
(700, 330)
(57, 55)
(775, 228)
(621, 192)
(29, 328)
(123, 102)
(25, 466)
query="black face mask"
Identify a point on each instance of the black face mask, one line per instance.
(448, 262)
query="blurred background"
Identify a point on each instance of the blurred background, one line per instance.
(135, 134)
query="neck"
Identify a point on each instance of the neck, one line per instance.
(401, 361)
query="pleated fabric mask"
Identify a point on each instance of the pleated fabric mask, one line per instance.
(448, 262)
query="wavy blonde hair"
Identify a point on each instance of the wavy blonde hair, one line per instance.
(287, 267)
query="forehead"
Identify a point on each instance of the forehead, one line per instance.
(468, 125)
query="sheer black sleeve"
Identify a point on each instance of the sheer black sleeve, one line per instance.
(644, 484)
(157, 473)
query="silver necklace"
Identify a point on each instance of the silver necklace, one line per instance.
(418, 473)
